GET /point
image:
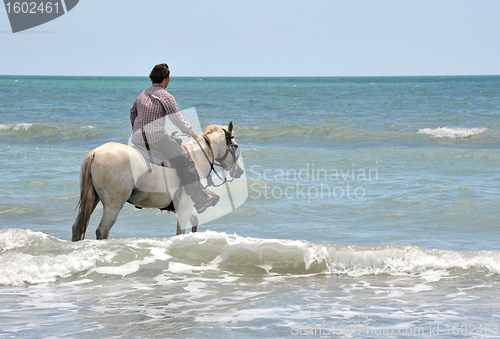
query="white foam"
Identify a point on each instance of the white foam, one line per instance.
(77, 282)
(15, 238)
(16, 127)
(20, 268)
(28, 257)
(34, 257)
(133, 266)
(394, 259)
(248, 315)
(446, 132)
(301, 257)
(177, 267)
(123, 270)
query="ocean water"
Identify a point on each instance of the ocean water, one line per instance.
(373, 211)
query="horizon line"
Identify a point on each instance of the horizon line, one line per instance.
(254, 76)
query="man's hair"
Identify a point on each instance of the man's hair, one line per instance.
(159, 73)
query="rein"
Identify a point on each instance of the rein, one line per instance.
(213, 163)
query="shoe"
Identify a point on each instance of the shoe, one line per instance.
(211, 199)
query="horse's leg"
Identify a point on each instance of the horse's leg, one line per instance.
(184, 210)
(113, 196)
(109, 216)
(194, 222)
(179, 230)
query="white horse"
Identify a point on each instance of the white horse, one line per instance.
(109, 174)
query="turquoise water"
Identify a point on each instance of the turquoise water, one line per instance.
(372, 209)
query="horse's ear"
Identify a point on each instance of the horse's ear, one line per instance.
(230, 126)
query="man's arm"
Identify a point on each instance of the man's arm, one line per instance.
(133, 113)
(179, 121)
(175, 116)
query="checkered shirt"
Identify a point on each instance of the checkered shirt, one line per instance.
(148, 115)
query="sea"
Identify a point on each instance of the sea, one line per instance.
(373, 211)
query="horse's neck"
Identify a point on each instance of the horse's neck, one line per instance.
(200, 160)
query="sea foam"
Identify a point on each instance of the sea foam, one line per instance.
(34, 257)
(16, 127)
(446, 132)
(50, 132)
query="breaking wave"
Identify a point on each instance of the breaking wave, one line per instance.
(49, 132)
(28, 257)
(445, 132)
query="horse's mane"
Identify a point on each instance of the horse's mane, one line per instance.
(210, 129)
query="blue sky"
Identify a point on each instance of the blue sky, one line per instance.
(260, 38)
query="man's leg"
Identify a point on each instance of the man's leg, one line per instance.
(186, 170)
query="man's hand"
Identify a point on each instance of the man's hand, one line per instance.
(193, 134)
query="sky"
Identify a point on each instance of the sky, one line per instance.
(260, 38)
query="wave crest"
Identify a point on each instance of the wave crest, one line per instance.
(302, 257)
(446, 132)
(28, 257)
(48, 132)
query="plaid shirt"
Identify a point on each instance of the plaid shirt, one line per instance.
(148, 115)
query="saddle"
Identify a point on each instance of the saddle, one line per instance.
(153, 155)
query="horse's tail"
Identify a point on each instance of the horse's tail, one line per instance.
(87, 201)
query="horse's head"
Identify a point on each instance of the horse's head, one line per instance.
(225, 148)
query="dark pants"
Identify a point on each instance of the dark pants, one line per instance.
(184, 165)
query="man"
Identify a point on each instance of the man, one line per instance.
(147, 116)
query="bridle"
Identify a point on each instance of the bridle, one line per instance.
(231, 148)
